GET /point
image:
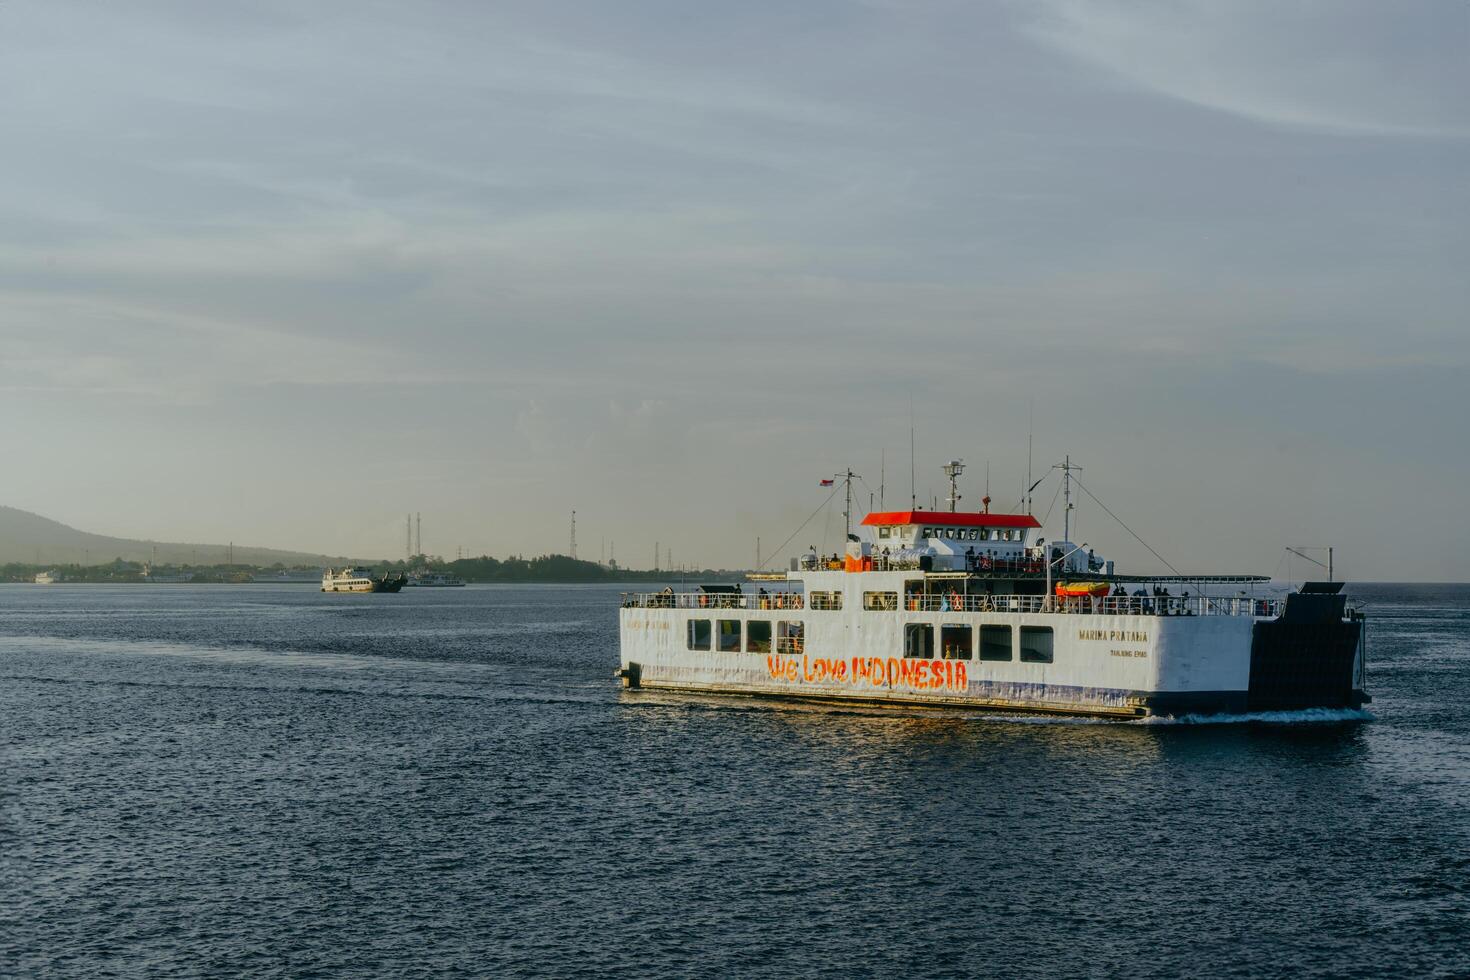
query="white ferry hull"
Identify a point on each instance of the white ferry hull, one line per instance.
(1102, 665)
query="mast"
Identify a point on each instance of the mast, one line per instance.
(953, 469)
(1066, 467)
(847, 478)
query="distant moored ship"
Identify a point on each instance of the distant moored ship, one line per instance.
(351, 580)
(434, 580)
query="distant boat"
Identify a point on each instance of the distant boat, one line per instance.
(49, 578)
(434, 580)
(351, 580)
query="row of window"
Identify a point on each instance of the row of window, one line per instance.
(958, 533)
(956, 642)
(725, 634)
(996, 642)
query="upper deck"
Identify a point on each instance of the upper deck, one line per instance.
(881, 599)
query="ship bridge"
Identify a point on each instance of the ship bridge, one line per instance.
(951, 539)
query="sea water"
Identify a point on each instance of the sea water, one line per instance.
(238, 780)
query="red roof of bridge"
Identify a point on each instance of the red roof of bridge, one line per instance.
(945, 518)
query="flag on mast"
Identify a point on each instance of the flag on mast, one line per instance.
(826, 483)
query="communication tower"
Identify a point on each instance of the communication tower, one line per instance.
(574, 536)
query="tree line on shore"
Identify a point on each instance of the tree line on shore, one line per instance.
(544, 568)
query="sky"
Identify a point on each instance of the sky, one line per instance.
(281, 272)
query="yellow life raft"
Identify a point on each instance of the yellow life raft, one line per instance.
(1083, 588)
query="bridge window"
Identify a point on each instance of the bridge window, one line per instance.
(729, 636)
(955, 642)
(1036, 644)
(884, 532)
(985, 534)
(880, 600)
(789, 636)
(758, 636)
(918, 641)
(699, 634)
(995, 643)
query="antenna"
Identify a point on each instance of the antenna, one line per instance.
(574, 536)
(953, 469)
(418, 520)
(986, 499)
(407, 537)
(882, 475)
(1030, 428)
(913, 495)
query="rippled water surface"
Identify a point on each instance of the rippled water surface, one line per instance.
(268, 780)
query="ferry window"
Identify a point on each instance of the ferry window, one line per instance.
(995, 643)
(699, 634)
(880, 600)
(1036, 644)
(826, 600)
(918, 640)
(985, 534)
(729, 636)
(949, 532)
(758, 636)
(954, 642)
(789, 634)
(883, 531)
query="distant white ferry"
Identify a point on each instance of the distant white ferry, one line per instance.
(434, 580)
(974, 610)
(351, 580)
(49, 578)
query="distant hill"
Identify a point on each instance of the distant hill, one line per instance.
(33, 539)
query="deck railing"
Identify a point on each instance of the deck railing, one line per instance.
(1119, 605)
(713, 600)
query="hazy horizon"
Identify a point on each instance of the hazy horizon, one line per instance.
(281, 275)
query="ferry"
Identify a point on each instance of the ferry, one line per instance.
(351, 580)
(434, 580)
(977, 610)
(49, 578)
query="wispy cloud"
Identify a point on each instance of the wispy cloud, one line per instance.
(1350, 67)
